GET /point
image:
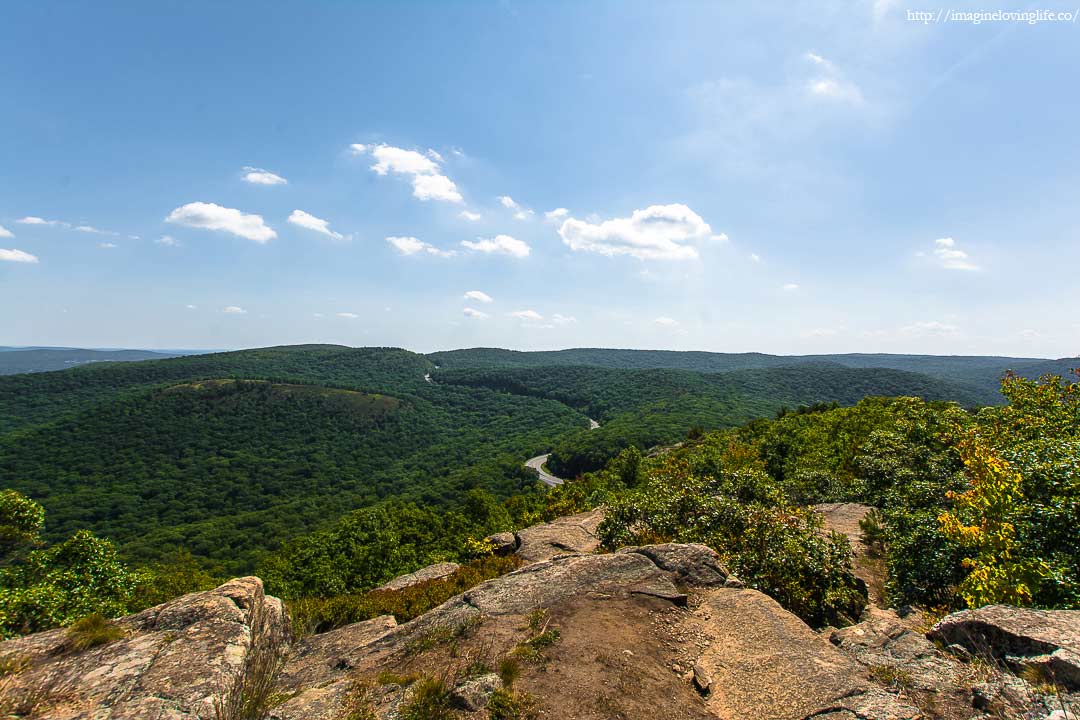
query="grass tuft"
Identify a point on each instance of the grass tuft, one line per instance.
(92, 631)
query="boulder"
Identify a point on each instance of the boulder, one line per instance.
(694, 564)
(1020, 637)
(570, 534)
(171, 664)
(504, 543)
(431, 572)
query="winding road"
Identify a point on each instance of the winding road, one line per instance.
(537, 464)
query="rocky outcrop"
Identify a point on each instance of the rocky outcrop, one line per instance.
(571, 534)
(171, 663)
(431, 572)
(1048, 640)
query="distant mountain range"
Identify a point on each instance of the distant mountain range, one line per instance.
(15, 360)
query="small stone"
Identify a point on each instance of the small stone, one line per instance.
(734, 582)
(702, 679)
(474, 694)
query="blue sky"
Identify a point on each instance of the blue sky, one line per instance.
(775, 176)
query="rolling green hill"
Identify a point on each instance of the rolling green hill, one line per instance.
(651, 407)
(980, 373)
(230, 454)
(26, 360)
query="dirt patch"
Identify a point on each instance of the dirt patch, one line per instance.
(867, 564)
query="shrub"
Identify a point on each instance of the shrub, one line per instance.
(91, 631)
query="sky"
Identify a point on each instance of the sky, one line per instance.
(784, 177)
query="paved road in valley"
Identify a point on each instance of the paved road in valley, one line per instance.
(537, 464)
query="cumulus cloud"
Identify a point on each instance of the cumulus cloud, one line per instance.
(348, 315)
(508, 202)
(950, 257)
(828, 82)
(167, 240)
(16, 255)
(556, 215)
(305, 220)
(5, 233)
(520, 212)
(234, 310)
(659, 232)
(526, 315)
(258, 176)
(478, 295)
(474, 313)
(424, 171)
(470, 216)
(500, 244)
(209, 216)
(414, 246)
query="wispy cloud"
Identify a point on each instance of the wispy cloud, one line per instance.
(470, 216)
(829, 82)
(474, 313)
(5, 233)
(556, 215)
(167, 240)
(415, 246)
(310, 222)
(526, 315)
(348, 315)
(210, 216)
(234, 310)
(16, 255)
(258, 176)
(950, 257)
(500, 245)
(478, 295)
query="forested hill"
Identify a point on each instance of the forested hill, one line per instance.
(229, 454)
(981, 373)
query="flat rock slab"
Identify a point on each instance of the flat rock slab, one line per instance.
(431, 572)
(328, 657)
(763, 662)
(570, 534)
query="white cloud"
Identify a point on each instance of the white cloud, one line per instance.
(413, 246)
(167, 240)
(5, 233)
(558, 319)
(478, 295)
(16, 255)
(526, 315)
(93, 230)
(502, 244)
(666, 321)
(830, 83)
(234, 310)
(754, 257)
(470, 216)
(348, 315)
(435, 187)
(32, 220)
(929, 327)
(556, 215)
(508, 202)
(107, 245)
(951, 257)
(424, 170)
(215, 217)
(474, 313)
(305, 220)
(523, 214)
(790, 287)
(318, 315)
(258, 176)
(192, 307)
(659, 232)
